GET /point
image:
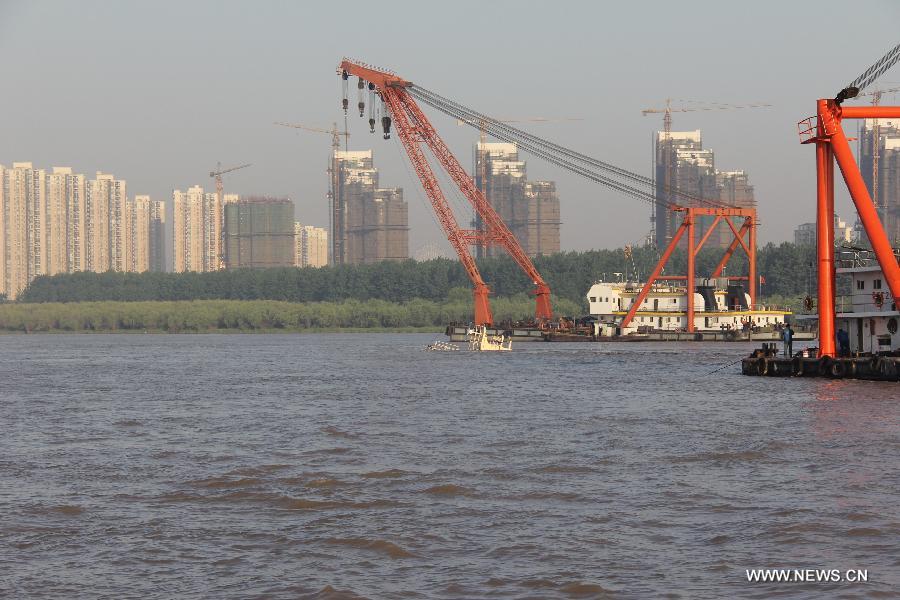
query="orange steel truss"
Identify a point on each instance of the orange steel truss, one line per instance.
(414, 129)
(825, 131)
(745, 237)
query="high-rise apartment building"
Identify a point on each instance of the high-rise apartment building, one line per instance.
(197, 225)
(310, 246)
(106, 224)
(61, 222)
(682, 165)
(189, 247)
(369, 224)
(14, 185)
(259, 233)
(66, 221)
(139, 234)
(158, 236)
(529, 208)
(60, 194)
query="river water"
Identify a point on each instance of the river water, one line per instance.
(347, 466)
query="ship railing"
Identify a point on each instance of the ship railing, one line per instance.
(770, 307)
(850, 257)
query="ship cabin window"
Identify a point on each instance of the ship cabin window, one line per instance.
(674, 300)
(860, 284)
(876, 284)
(593, 298)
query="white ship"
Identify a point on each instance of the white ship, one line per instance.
(868, 314)
(719, 306)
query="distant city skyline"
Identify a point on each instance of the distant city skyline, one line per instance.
(279, 60)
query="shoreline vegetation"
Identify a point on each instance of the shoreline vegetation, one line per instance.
(386, 296)
(255, 316)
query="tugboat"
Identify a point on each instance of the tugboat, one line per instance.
(480, 341)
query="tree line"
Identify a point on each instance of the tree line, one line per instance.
(787, 269)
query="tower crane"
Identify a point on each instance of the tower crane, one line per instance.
(333, 173)
(217, 175)
(215, 241)
(335, 134)
(667, 110)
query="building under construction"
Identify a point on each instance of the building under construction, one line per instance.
(683, 166)
(529, 208)
(880, 140)
(259, 233)
(369, 223)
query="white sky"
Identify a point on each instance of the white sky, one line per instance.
(156, 92)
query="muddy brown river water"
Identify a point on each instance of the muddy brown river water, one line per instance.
(347, 466)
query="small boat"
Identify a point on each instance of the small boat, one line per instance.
(480, 341)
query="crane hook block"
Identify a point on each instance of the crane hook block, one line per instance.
(360, 84)
(371, 86)
(846, 94)
(345, 75)
(372, 125)
(386, 125)
(345, 104)
(362, 108)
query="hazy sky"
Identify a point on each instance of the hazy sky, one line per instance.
(157, 92)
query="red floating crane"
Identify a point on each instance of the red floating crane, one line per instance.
(825, 131)
(415, 130)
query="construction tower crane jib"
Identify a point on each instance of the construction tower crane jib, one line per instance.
(415, 130)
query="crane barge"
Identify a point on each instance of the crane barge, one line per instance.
(401, 109)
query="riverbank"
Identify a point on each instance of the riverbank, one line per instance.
(252, 316)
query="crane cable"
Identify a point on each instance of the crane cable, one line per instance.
(869, 76)
(540, 151)
(561, 155)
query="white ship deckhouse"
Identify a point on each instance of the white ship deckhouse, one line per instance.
(718, 306)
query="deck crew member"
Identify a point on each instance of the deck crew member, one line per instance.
(843, 340)
(787, 336)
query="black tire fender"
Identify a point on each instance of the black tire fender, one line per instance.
(838, 369)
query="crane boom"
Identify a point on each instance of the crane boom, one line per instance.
(414, 130)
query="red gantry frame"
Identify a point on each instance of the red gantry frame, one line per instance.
(825, 131)
(745, 237)
(414, 129)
